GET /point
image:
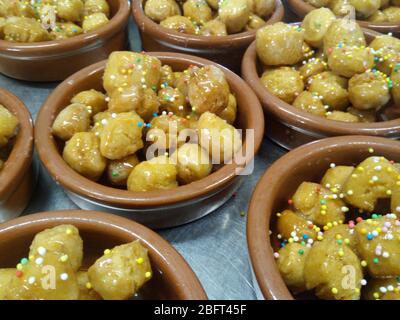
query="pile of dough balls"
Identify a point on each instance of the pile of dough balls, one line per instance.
(45, 20)
(147, 105)
(117, 275)
(325, 67)
(210, 17)
(333, 240)
(9, 126)
(370, 10)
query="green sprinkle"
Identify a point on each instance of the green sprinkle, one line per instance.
(115, 174)
(24, 261)
(301, 251)
(376, 260)
(340, 241)
(242, 213)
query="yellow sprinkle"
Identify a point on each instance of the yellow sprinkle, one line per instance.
(323, 212)
(278, 214)
(107, 251)
(363, 231)
(68, 231)
(329, 225)
(139, 260)
(290, 240)
(320, 238)
(389, 192)
(88, 285)
(323, 207)
(64, 258)
(147, 274)
(338, 237)
(31, 257)
(341, 253)
(19, 266)
(334, 290)
(376, 295)
(361, 169)
(363, 263)
(346, 241)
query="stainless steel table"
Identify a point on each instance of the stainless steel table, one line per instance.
(214, 246)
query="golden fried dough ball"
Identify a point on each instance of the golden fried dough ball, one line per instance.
(395, 77)
(126, 68)
(197, 10)
(318, 3)
(70, 10)
(100, 120)
(292, 225)
(17, 8)
(159, 10)
(86, 291)
(255, 22)
(94, 21)
(283, 82)
(155, 174)
(208, 90)
(378, 16)
(345, 32)
(95, 6)
(65, 30)
(8, 126)
(218, 138)
(214, 27)
(6, 276)
(315, 25)
(179, 24)
(318, 204)
(72, 119)
(63, 240)
(382, 289)
(348, 61)
(341, 116)
(307, 102)
(365, 8)
(367, 116)
(262, 8)
(379, 245)
(93, 99)
(19, 29)
(312, 67)
(279, 44)
(118, 171)
(334, 271)
(172, 100)
(82, 153)
(121, 271)
(387, 49)
(121, 136)
(373, 179)
(369, 90)
(291, 262)
(340, 8)
(343, 234)
(192, 163)
(335, 178)
(332, 89)
(229, 113)
(392, 14)
(235, 14)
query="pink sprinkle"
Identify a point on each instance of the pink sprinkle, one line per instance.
(351, 224)
(276, 255)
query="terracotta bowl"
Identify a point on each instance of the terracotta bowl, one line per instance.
(227, 51)
(56, 60)
(18, 177)
(172, 276)
(291, 127)
(278, 184)
(158, 209)
(301, 8)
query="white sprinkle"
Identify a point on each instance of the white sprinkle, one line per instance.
(64, 276)
(332, 165)
(375, 178)
(31, 280)
(42, 251)
(385, 254)
(383, 289)
(390, 288)
(350, 192)
(39, 261)
(363, 282)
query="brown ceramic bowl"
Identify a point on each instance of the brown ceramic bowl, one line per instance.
(227, 51)
(56, 60)
(172, 276)
(301, 8)
(291, 127)
(157, 209)
(17, 178)
(278, 184)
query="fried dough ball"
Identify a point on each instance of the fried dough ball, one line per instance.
(118, 171)
(229, 113)
(82, 153)
(70, 10)
(318, 204)
(373, 179)
(262, 8)
(386, 48)
(343, 233)
(334, 271)
(312, 67)
(93, 99)
(283, 82)
(365, 8)
(122, 136)
(20, 29)
(95, 6)
(16, 8)
(392, 14)
(335, 178)
(342, 116)
(332, 89)
(208, 90)
(345, 32)
(341, 8)
(291, 262)
(197, 11)
(179, 24)
(378, 16)
(126, 68)
(255, 22)
(100, 120)
(94, 21)
(192, 163)
(155, 174)
(214, 27)
(369, 90)
(8, 126)
(307, 102)
(218, 138)
(235, 14)
(159, 10)
(279, 44)
(172, 100)
(72, 119)
(121, 272)
(315, 25)
(65, 30)
(367, 116)
(379, 245)
(290, 225)
(86, 292)
(383, 289)
(348, 61)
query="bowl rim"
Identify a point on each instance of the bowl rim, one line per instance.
(78, 184)
(152, 28)
(292, 116)
(20, 158)
(301, 8)
(117, 22)
(173, 264)
(258, 222)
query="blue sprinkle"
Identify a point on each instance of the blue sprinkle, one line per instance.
(155, 114)
(370, 236)
(305, 236)
(148, 125)
(139, 123)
